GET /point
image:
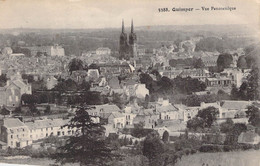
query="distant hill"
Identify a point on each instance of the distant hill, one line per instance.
(76, 41)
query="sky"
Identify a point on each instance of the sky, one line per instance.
(84, 14)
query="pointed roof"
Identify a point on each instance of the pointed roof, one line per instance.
(123, 26)
(132, 26)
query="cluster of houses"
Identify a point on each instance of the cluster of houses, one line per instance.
(16, 133)
(160, 115)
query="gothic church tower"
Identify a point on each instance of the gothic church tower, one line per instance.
(127, 49)
(123, 46)
(132, 42)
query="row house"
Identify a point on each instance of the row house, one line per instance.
(209, 61)
(17, 134)
(200, 74)
(43, 128)
(220, 81)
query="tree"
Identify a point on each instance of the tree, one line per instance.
(88, 146)
(227, 126)
(232, 136)
(209, 115)
(75, 64)
(204, 119)
(29, 99)
(235, 93)
(139, 131)
(253, 88)
(3, 80)
(165, 136)
(253, 113)
(198, 63)
(195, 123)
(4, 111)
(224, 61)
(241, 63)
(153, 148)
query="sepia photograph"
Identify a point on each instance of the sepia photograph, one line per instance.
(129, 83)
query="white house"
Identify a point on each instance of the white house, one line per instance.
(117, 119)
(14, 133)
(40, 129)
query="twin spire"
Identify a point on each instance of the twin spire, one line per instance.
(132, 26)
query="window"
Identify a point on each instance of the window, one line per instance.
(47, 129)
(12, 91)
(12, 143)
(23, 129)
(11, 136)
(51, 128)
(16, 98)
(63, 133)
(58, 133)
(10, 98)
(47, 135)
(41, 130)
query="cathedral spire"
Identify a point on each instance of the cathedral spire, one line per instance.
(132, 27)
(123, 27)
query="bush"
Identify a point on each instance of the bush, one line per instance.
(211, 148)
(187, 151)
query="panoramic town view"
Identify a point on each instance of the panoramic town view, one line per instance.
(128, 94)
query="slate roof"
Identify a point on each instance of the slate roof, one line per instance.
(45, 123)
(234, 105)
(13, 122)
(117, 114)
(168, 108)
(106, 108)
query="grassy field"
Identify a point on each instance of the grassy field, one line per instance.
(243, 158)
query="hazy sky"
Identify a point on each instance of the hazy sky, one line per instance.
(109, 13)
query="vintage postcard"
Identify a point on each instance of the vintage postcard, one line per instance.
(130, 82)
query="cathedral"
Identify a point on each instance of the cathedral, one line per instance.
(127, 48)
